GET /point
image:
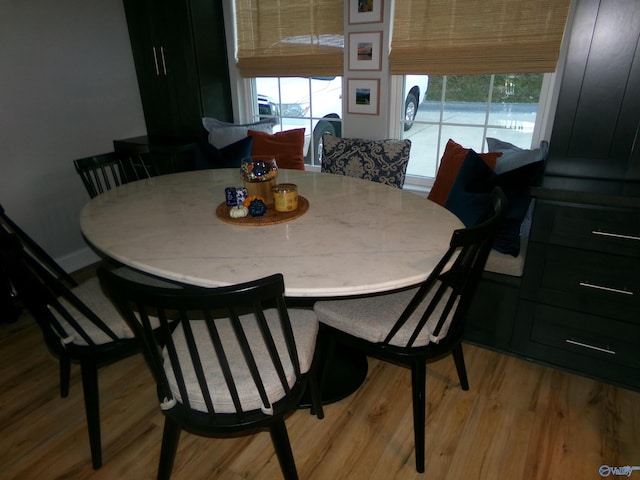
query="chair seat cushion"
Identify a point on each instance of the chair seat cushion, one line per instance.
(91, 294)
(305, 330)
(371, 318)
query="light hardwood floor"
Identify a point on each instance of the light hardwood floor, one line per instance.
(518, 421)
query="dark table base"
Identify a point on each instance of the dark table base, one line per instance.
(346, 372)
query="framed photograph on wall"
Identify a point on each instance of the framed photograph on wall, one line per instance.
(364, 96)
(365, 11)
(365, 51)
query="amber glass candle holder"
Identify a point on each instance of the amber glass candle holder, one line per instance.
(259, 176)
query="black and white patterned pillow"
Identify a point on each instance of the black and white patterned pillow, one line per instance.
(382, 161)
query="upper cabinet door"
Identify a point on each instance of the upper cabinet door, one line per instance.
(598, 110)
(181, 63)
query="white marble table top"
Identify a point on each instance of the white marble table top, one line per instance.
(358, 237)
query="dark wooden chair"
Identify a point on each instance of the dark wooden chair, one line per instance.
(419, 325)
(382, 161)
(35, 249)
(48, 262)
(235, 359)
(79, 325)
(103, 172)
(62, 277)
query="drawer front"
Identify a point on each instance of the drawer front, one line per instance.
(612, 230)
(587, 343)
(592, 282)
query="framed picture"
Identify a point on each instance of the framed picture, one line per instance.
(364, 96)
(365, 11)
(365, 51)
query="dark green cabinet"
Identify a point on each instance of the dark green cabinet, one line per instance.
(579, 303)
(179, 49)
(577, 306)
(580, 293)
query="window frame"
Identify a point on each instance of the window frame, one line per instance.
(542, 128)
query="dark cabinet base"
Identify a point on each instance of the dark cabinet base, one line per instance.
(585, 344)
(169, 155)
(493, 310)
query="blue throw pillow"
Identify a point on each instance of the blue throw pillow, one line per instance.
(208, 156)
(470, 197)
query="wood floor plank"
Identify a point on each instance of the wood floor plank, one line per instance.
(519, 420)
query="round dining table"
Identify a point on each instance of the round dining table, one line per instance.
(355, 238)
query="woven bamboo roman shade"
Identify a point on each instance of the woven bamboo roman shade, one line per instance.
(469, 37)
(290, 37)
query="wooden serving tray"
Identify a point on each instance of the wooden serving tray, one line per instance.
(271, 217)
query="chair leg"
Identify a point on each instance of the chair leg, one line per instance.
(314, 393)
(170, 439)
(65, 376)
(418, 388)
(458, 359)
(89, 372)
(280, 438)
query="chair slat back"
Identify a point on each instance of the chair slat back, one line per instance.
(103, 172)
(450, 287)
(36, 250)
(216, 345)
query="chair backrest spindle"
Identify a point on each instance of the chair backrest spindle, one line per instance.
(450, 285)
(100, 173)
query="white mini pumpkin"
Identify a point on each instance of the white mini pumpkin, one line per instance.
(238, 212)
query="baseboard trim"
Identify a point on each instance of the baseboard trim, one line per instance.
(78, 260)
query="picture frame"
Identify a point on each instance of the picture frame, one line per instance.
(365, 51)
(363, 96)
(365, 11)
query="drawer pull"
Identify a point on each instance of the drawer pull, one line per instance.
(607, 289)
(616, 235)
(592, 347)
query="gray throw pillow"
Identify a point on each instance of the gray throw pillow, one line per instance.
(222, 134)
(513, 156)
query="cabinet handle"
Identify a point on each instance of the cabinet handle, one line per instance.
(592, 347)
(155, 61)
(607, 289)
(164, 65)
(616, 235)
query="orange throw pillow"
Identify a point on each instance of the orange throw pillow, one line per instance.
(286, 147)
(450, 163)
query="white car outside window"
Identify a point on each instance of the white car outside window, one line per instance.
(316, 105)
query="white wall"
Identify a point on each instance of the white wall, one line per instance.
(67, 89)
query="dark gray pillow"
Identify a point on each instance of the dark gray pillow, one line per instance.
(208, 156)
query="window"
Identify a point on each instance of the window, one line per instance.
(468, 109)
(316, 104)
(297, 102)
